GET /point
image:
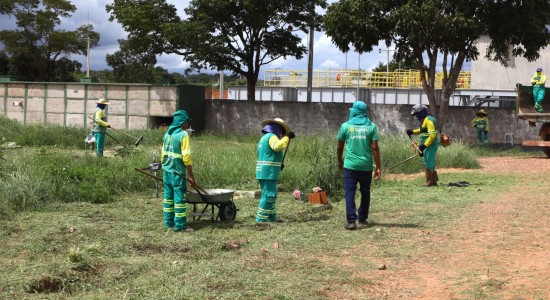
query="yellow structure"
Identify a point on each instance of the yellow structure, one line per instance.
(354, 78)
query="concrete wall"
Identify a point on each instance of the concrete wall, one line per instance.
(307, 118)
(70, 104)
(492, 75)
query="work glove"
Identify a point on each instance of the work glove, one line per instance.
(291, 135)
(421, 150)
(409, 132)
(282, 166)
(108, 126)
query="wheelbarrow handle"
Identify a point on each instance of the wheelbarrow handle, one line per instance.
(150, 175)
(198, 188)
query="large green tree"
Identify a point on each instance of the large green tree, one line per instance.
(131, 64)
(445, 32)
(36, 48)
(235, 35)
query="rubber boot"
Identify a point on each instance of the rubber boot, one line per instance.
(435, 178)
(428, 174)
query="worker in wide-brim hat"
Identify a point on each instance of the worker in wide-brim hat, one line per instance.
(538, 81)
(176, 159)
(429, 141)
(100, 125)
(271, 149)
(481, 123)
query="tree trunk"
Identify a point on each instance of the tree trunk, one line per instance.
(251, 80)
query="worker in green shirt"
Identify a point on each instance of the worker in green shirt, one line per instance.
(359, 137)
(100, 126)
(429, 141)
(271, 146)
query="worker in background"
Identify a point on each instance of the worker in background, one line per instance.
(176, 158)
(271, 149)
(538, 81)
(360, 138)
(429, 141)
(481, 122)
(100, 126)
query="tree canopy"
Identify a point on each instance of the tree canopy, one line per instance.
(37, 51)
(239, 36)
(436, 31)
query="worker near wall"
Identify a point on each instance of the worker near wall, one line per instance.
(271, 146)
(429, 141)
(176, 158)
(100, 126)
(481, 122)
(360, 138)
(538, 81)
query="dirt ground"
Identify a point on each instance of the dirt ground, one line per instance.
(500, 249)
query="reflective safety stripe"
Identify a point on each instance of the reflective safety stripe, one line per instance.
(172, 154)
(266, 211)
(188, 151)
(262, 217)
(168, 209)
(268, 163)
(181, 205)
(428, 133)
(168, 201)
(181, 215)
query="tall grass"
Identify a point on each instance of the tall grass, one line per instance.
(53, 165)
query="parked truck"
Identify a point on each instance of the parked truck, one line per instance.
(525, 111)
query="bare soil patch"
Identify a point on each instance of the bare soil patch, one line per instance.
(499, 249)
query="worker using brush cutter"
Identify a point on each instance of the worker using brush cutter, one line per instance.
(429, 141)
(360, 138)
(276, 138)
(100, 126)
(176, 158)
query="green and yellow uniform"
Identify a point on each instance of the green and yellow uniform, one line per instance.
(538, 81)
(429, 137)
(268, 169)
(482, 125)
(176, 155)
(99, 129)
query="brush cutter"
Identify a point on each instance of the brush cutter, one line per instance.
(136, 143)
(121, 143)
(406, 160)
(284, 155)
(138, 140)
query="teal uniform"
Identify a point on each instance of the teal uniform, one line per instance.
(482, 125)
(176, 154)
(429, 137)
(99, 129)
(538, 81)
(268, 170)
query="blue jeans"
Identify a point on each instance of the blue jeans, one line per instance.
(351, 178)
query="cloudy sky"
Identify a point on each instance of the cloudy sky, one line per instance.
(326, 55)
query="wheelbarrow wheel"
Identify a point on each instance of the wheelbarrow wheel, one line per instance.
(228, 211)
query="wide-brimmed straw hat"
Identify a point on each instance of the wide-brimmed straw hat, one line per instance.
(481, 112)
(277, 121)
(102, 101)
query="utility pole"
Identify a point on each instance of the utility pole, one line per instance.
(387, 57)
(221, 85)
(88, 48)
(310, 62)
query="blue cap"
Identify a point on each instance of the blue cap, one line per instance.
(539, 69)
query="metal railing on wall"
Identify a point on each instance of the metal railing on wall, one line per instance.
(357, 78)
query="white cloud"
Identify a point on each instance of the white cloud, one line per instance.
(330, 64)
